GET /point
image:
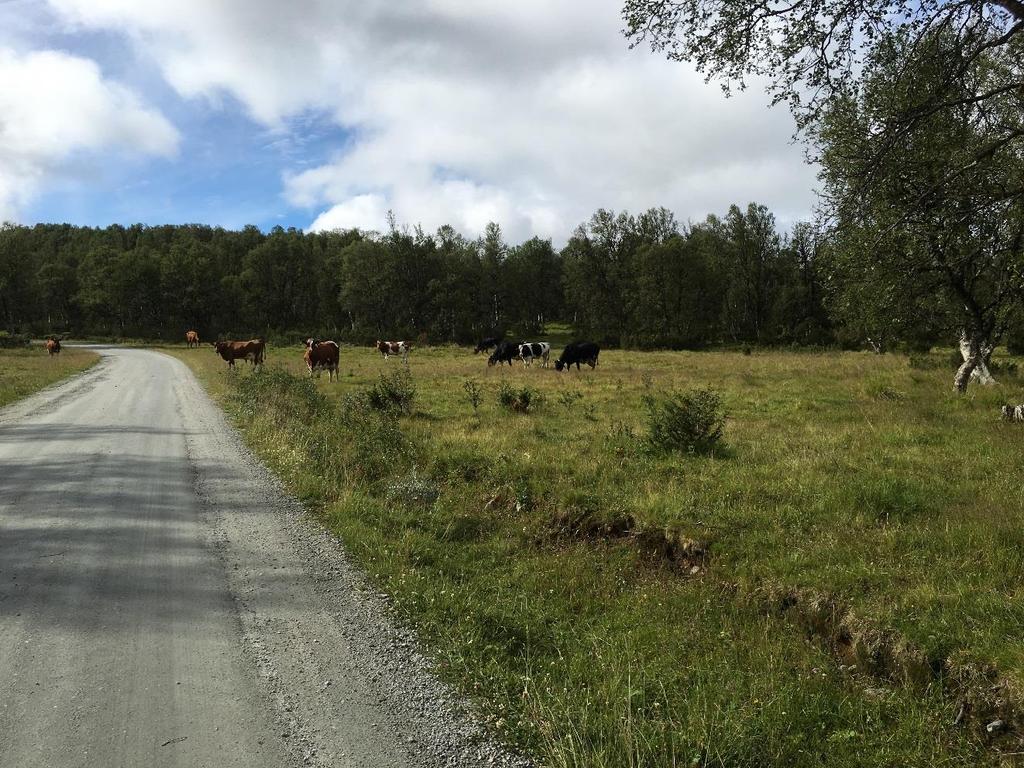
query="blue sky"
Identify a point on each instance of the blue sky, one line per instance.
(228, 171)
(328, 113)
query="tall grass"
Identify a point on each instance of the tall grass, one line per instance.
(591, 644)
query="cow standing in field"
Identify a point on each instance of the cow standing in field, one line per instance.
(388, 348)
(578, 352)
(252, 351)
(260, 350)
(52, 346)
(489, 343)
(505, 352)
(532, 350)
(192, 339)
(322, 354)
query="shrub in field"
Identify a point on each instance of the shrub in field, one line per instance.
(393, 392)
(13, 340)
(473, 394)
(691, 421)
(622, 440)
(279, 394)
(374, 437)
(519, 399)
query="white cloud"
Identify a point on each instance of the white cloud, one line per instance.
(367, 212)
(53, 106)
(532, 113)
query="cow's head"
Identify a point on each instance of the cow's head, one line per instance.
(559, 365)
(310, 343)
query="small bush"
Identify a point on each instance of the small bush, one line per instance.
(393, 392)
(622, 440)
(279, 394)
(374, 436)
(473, 394)
(14, 340)
(519, 399)
(692, 421)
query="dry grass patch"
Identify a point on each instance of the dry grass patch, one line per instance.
(25, 371)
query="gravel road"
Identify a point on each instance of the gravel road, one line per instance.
(164, 602)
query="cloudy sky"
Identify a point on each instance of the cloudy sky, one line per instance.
(328, 113)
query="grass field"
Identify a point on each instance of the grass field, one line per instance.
(24, 371)
(840, 584)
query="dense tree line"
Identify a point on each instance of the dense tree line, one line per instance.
(913, 109)
(642, 281)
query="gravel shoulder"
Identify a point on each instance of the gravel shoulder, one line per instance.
(164, 601)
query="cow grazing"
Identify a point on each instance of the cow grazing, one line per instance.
(192, 339)
(578, 352)
(322, 354)
(489, 343)
(505, 352)
(388, 348)
(53, 346)
(532, 350)
(252, 351)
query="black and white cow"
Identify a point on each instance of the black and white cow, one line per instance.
(530, 350)
(578, 352)
(489, 343)
(505, 352)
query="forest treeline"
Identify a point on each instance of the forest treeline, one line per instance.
(641, 281)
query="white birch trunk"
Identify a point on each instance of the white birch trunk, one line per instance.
(974, 350)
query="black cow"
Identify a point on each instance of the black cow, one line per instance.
(488, 343)
(505, 352)
(578, 352)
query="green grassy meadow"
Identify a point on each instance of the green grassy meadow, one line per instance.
(24, 371)
(839, 584)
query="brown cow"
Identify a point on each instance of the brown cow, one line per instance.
(252, 350)
(192, 339)
(322, 354)
(53, 346)
(388, 348)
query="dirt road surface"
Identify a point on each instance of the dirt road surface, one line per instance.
(163, 602)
